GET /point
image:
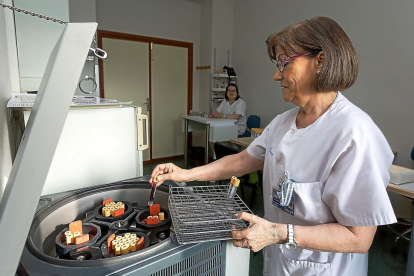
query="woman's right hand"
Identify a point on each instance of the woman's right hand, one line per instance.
(168, 171)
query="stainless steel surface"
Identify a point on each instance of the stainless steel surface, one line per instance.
(205, 213)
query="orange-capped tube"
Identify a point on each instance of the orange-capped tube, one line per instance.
(114, 244)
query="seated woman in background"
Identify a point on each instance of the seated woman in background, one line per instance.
(233, 107)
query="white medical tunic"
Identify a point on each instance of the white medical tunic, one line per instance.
(341, 167)
(238, 107)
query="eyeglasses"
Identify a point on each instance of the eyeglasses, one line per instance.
(281, 63)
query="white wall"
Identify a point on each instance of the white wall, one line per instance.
(9, 82)
(216, 32)
(383, 35)
(222, 24)
(216, 35)
(206, 56)
(172, 19)
(82, 11)
(36, 38)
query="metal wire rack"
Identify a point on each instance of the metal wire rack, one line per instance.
(205, 213)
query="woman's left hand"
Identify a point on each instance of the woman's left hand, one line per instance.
(259, 234)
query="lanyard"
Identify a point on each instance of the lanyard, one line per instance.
(285, 187)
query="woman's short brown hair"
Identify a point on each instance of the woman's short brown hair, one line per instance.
(340, 66)
(227, 90)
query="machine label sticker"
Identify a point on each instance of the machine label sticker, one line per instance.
(290, 208)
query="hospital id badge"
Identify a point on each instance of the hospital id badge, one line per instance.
(290, 208)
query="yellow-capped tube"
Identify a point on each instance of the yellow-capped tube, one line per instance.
(234, 181)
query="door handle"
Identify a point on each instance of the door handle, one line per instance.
(142, 128)
(148, 104)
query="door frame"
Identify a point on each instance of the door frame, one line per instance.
(146, 39)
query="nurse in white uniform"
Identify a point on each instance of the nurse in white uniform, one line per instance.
(325, 163)
(232, 107)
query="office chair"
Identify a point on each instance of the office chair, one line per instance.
(253, 179)
(412, 154)
(253, 121)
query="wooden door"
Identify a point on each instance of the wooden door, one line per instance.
(126, 74)
(152, 71)
(169, 74)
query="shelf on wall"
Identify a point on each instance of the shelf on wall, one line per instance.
(218, 89)
(223, 76)
(217, 100)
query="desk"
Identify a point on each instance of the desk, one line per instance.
(244, 141)
(406, 190)
(217, 130)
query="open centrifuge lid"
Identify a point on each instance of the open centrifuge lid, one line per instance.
(40, 139)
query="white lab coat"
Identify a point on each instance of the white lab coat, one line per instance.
(341, 167)
(238, 107)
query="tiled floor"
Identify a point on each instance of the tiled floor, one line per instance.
(381, 260)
